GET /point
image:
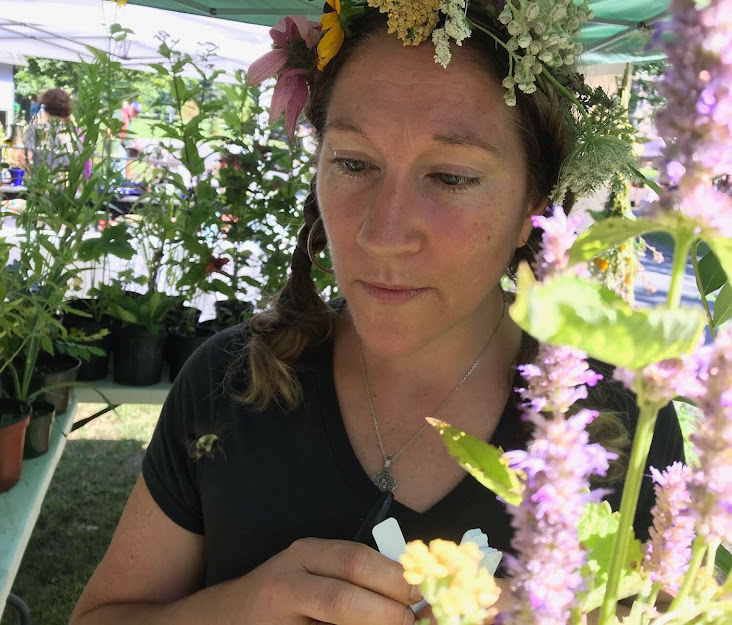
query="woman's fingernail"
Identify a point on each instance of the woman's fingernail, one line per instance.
(415, 595)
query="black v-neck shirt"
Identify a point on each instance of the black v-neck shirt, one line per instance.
(279, 476)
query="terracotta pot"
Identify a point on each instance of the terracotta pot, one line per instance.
(14, 418)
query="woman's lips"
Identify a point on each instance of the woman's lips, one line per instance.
(391, 294)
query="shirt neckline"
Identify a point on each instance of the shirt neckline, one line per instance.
(508, 434)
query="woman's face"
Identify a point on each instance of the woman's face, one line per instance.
(422, 188)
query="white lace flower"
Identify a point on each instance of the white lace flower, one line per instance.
(442, 46)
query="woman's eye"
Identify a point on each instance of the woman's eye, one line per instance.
(351, 166)
(455, 183)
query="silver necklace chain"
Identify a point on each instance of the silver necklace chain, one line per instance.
(384, 479)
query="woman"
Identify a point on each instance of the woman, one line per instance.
(50, 136)
(426, 184)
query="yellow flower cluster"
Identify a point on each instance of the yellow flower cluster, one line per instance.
(451, 580)
(412, 20)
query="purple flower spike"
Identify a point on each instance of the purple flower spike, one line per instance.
(669, 550)
(696, 124)
(558, 378)
(546, 576)
(662, 381)
(559, 234)
(711, 489)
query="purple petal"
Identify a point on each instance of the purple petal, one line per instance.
(277, 32)
(298, 97)
(308, 31)
(280, 98)
(266, 66)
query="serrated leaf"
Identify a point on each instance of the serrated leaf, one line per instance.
(607, 234)
(723, 305)
(711, 274)
(597, 529)
(485, 462)
(571, 311)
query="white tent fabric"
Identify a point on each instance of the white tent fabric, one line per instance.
(61, 29)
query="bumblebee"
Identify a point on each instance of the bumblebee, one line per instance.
(207, 446)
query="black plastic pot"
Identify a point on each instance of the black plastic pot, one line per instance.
(229, 312)
(182, 318)
(182, 346)
(97, 367)
(14, 417)
(137, 355)
(38, 432)
(53, 371)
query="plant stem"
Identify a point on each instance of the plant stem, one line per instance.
(697, 277)
(678, 270)
(564, 91)
(697, 554)
(628, 505)
(654, 594)
(712, 557)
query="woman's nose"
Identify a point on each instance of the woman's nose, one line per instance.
(391, 224)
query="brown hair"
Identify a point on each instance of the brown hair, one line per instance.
(57, 103)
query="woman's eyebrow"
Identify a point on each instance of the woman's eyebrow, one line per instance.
(344, 126)
(452, 139)
(468, 140)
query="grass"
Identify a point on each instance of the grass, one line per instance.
(84, 502)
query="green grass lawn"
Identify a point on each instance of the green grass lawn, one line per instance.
(85, 500)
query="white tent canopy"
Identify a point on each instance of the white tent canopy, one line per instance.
(61, 29)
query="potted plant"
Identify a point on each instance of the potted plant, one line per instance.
(137, 352)
(38, 432)
(14, 417)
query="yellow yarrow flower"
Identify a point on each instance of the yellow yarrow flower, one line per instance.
(412, 20)
(120, 3)
(451, 580)
(333, 36)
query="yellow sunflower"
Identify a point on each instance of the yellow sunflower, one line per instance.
(333, 34)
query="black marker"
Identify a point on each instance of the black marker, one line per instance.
(375, 516)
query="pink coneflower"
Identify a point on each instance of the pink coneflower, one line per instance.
(293, 59)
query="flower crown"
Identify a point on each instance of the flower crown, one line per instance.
(540, 38)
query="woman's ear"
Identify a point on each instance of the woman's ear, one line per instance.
(538, 209)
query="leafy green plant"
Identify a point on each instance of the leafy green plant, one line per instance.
(149, 310)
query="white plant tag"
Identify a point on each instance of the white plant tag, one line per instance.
(491, 557)
(390, 541)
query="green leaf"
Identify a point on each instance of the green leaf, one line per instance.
(723, 305)
(597, 530)
(723, 560)
(722, 248)
(711, 273)
(568, 310)
(607, 234)
(484, 462)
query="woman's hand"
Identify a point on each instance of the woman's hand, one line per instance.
(327, 581)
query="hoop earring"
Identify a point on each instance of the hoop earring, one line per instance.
(311, 255)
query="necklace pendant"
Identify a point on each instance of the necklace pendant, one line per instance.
(384, 480)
